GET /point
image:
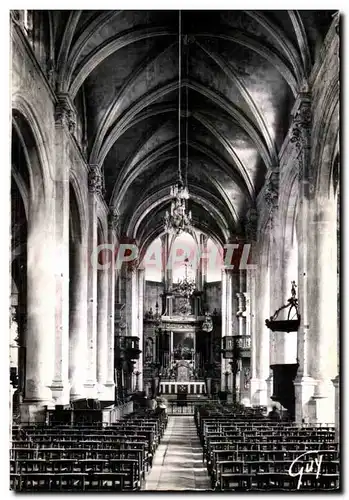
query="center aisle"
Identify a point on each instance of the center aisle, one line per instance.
(178, 462)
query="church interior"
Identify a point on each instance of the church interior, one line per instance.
(174, 250)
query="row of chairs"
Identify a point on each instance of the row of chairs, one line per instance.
(86, 457)
(243, 452)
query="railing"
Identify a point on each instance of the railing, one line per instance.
(124, 342)
(183, 407)
(236, 345)
(194, 387)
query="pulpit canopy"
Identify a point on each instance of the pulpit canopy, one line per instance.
(291, 324)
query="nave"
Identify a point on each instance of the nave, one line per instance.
(178, 461)
(174, 234)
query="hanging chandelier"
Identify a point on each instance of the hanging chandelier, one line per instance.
(179, 219)
(186, 286)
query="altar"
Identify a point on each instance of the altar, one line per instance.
(170, 387)
(180, 345)
(184, 381)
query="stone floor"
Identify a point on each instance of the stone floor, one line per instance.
(178, 462)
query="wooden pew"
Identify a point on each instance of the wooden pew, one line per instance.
(256, 454)
(86, 457)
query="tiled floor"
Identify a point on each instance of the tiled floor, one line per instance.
(178, 462)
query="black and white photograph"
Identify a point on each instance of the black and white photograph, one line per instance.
(174, 250)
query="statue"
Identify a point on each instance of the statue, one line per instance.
(207, 325)
(149, 349)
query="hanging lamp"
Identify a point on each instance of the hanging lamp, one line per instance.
(179, 219)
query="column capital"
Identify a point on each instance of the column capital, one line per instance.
(301, 134)
(132, 267)
(227, 270)
(65, 113)
(141, 272)
(301, 124)
(251, 224)
(113, 218)
(95, 180)
(271, 191)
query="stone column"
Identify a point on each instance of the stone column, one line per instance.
(262, 385)
(63, 127)
(40, 333)
(241, 315)
(229, 309)
(95, 190)
(260, 342)
(229, 302)
(113, 223)
(141, 290)
(202, 263)
(255, 355)
(166, 270)
(132, 309)
(78, 321)
(325, 352)
(224, 324)
(102, 331)
(277, 339)
(304, 383)
(251, 317)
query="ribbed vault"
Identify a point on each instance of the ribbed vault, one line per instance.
(241, 72)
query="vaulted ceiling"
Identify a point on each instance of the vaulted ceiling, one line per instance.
(240, 74)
